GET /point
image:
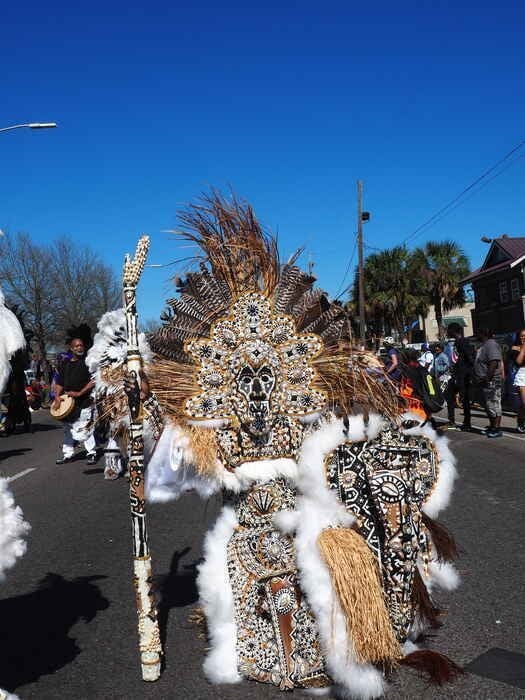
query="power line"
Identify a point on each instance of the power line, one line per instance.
(338, 293)
(445, 210)
(481, 187)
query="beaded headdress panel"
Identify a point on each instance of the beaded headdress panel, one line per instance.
(249, 347)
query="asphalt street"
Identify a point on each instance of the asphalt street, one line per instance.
(67, 609)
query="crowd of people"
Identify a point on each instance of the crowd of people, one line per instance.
(462, 372)
(457, 373)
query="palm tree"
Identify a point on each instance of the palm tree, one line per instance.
(443, 265)
(394, 292)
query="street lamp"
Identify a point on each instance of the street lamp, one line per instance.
(33, 125)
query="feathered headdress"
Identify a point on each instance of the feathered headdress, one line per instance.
(237, 258)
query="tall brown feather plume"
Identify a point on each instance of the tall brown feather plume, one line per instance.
(293, 284)
(311, 304)
(233, 242)
(444, 544)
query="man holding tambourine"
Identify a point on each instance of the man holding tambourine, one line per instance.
(73, 404)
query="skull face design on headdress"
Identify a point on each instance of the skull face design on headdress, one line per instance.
(254, 368)
(255, 384)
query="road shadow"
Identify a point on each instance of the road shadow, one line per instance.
(96, 470)
(500, 665)
(176, 589)
(44, 427)
(36, 627)
(18, 452)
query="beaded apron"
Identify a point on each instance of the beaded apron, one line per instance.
(277, 636)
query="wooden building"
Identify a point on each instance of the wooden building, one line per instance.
(499, 287)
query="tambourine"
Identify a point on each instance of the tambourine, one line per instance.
(67, 404)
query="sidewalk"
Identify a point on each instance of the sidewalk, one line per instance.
(480, 421)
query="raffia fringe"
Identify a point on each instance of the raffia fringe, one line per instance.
(355, 578)
(204, 449)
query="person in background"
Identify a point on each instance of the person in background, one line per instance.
(34, 395)
(441, 361)
(410, 382)
(488, 369)
(75, 380)
(18, 409)
(34, 365)
(517, 360)
(392, 367)
(461, 355)
(442, 372)
(426, 359)
(58, 367)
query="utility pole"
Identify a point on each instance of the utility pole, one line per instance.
(362, 216)
(361, 266)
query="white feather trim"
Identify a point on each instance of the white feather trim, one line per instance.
(216, 598)
(409, 647)
(442, 491)
(262, 471)
(442, 574)
(374, 426)
(11, 340)
(170, 471)
(13, 529)
(6, 695)
(318, 692)
(110, 342)
(212, 423)
(310, 418)
(286, 521)
(318, 508)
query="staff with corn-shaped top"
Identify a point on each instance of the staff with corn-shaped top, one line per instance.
(149, 637)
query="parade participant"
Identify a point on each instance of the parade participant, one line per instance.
(75, 380)
(13, 527)
(318, 571)
(106, 361)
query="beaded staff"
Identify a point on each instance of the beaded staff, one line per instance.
(149, 637)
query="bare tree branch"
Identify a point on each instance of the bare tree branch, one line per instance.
(56, 286)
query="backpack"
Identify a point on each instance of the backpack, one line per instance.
(426, 387)
(466, 352)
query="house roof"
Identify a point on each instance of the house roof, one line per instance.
(513, 246)
(504, 253)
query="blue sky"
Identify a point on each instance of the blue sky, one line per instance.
(289, 103)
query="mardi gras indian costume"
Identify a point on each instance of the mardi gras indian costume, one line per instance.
(106, 362)
(319, 571)
(13, 527)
